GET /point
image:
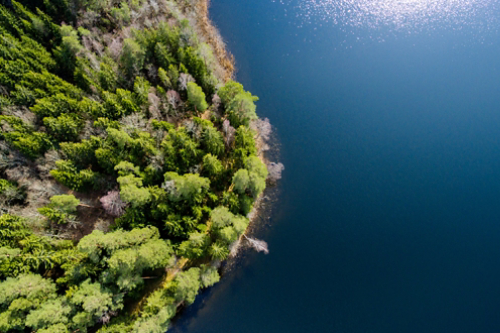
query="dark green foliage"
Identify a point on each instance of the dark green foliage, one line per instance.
(197, 68)
(79, 180)
(212, 166)
(82, 154)
(23, 137)
(66, 52)
(212, 141)
(239, 104)
(66, 127)
(132, 59)
(182, 184)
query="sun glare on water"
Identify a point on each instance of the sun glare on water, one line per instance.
(400, 14)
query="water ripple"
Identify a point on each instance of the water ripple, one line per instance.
(414, 15)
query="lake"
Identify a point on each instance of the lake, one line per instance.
(388, 118)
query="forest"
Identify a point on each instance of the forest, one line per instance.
(129, 162)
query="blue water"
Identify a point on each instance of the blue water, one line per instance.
(388, 116)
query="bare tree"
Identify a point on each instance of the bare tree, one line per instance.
(275, 170)
(263, 127)
(184, 79)
(216, 101)
(113, 204)
(257, 244)
(234, 247)
(133, 122)
(154, 106)
(230, 133)
(174, 99)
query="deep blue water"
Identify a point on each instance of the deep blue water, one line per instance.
(389, 125)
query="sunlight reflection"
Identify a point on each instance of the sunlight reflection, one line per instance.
(398, 14)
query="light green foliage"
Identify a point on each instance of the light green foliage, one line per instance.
(196, 66)
(164, 79)
(141, 90)
(131, 190)
(221, 217)
(102, 129)
(257, 184)
(196, 97)
(93, 300)
(61, 208)
(219, 251)
(163, 55)
(81, 153)
(19, 296)
(241, 180)
(208, 276)
(227, 235)
(57, 328)
(180, 150)
(188, 284)
(125, 255)
(173, 74)
(99, 244)
(257, 172)
(49, 313)
(253, 178)
(212, 166)
(241, 110)
(67, 51)
(157, 323)
(125, 168)
(245, 142)
(189, 187)
(255, 165)
(126, 265)
(229, 91)
(55, 105)
(15, 234)
(226, 226)
(107, 77)
(195, 247)
(239, 104)
(65, 203)
(240, 224)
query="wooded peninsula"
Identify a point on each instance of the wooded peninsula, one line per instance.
(129, 163)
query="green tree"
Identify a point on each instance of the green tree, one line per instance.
(241, 109)
(50, 313)
(20, 295)
(196, 97)
(189, 187)
(195, 247)
(132, 58)
(208, 276)
(212, 140)
(188, 284)
(141, 90)
(131, 190)
(66, 127)
(241, 180)
(65, 203)
(212, 166)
